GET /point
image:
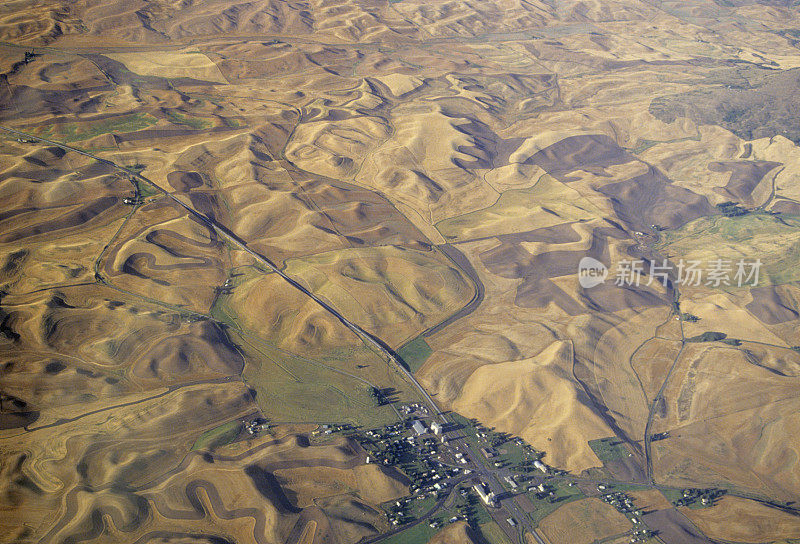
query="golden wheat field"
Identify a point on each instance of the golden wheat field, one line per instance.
(245, 244)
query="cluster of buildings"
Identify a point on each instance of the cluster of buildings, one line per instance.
(623, 503)
(511, 482)
(641, 535)
(541, 491)
(414, 408)
(256, 426)
(399, 512)
(388, 431)
(705, 496)
(436, 524)
(414, 444)
(330, 429)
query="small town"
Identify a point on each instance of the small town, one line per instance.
(460, 470)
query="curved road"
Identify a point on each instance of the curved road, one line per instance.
(371, 341)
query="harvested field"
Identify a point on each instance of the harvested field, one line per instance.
(189, 64)
(394, 294)
(774, 240)
(650, 500)
(582, 522)
(726, 392)
(430, 175)
(674, 527)
(743, 520)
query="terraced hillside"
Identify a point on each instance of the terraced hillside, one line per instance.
(219, 215)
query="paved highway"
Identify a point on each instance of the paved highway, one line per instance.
(493, 479)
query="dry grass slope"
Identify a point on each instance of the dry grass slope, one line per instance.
(430, 170)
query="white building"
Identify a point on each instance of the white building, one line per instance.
(541, 466)
(436, 427)
(419, 427)
(486, 495)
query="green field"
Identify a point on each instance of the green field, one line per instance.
(416, 508)
(673, 495)
(469, 431)
(218, 436)
(514, 455)
(291, 388)
(418, 534)
(508, 453)
(609, 449)
(415, 353)
(563, 494)
(84, 130)
(146, 190)
(196, 123)
(626, 488)
(491, 532)
(774, 240)
(296, 389)
(422, 532)
(334, 385)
